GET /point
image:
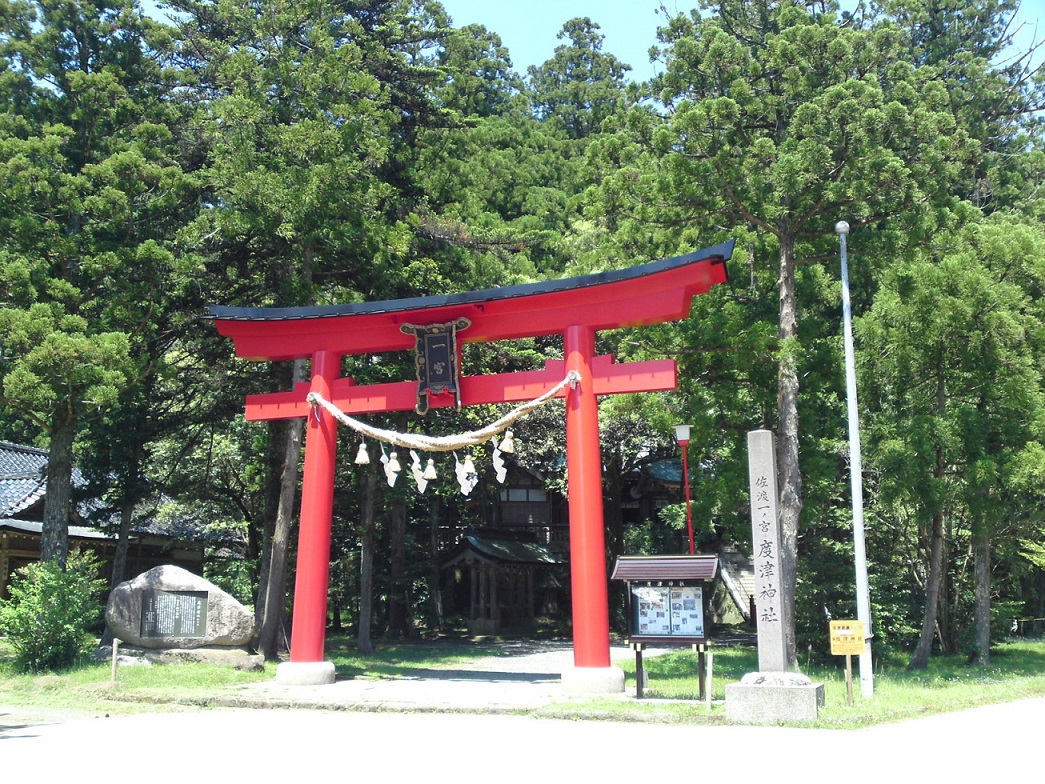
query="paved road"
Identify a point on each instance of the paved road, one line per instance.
(286, 745)
(442, 738)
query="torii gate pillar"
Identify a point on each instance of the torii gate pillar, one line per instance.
(576, 308)
(591, 631)
(308, 634)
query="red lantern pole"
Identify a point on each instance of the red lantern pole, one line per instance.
(682, 434)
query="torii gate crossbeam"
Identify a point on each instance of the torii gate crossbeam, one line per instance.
(576, 308)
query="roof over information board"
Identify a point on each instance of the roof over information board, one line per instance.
(665, 567)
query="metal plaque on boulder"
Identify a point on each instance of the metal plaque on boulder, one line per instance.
(174, 613)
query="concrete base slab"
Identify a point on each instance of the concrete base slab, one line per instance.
(774, 698)
(305, 673)
(593, 680)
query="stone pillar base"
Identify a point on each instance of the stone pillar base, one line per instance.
(774, 698)
(593, 680)
(305, 673)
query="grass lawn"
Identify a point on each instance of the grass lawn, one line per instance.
(949, 684)
(1017, 671)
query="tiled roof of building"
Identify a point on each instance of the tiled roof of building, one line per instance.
(23, 485)
(503, 549)
(22, 477)
(75, 531)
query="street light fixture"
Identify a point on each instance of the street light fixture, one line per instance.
(682, 436)
(863, 600)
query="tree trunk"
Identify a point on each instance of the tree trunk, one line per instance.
(119, 558)
(54, 539)
(1039, 615)
(275, 458)
(933, 580)
(790, 476)
(366, 564)
(614, 488)
(981, 613)
(271, 607)
(935, 577)
(435, 599)
(132, 491)
(950, 595)
(397, 604)
(272, 591)
(275, 455)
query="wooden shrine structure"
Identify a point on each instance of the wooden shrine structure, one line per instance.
(434, 327)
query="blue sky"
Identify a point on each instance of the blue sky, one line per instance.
(529, 27)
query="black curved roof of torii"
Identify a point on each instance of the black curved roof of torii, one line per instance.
(721, 252)
(636, 296)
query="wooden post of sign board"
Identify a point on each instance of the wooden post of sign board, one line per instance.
(847, 638)
(711, 676)
(640, 673)
(849, 678)
(115, 656)
(702, 671)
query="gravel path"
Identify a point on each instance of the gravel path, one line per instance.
(552, 656)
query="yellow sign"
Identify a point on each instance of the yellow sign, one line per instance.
(847, 638)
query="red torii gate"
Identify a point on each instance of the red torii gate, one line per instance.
(575, 307)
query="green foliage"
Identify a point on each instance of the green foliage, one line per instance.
(580, 86)
(1034, 552)
(780, 119)
(92, 167)
(662, 536)
(232, 575)
(50, 610)
(312, 153)
(953, 370)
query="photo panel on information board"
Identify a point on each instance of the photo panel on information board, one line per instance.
(667, 611)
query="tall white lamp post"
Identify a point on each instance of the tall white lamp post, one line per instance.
(863, 600)
(682, 436)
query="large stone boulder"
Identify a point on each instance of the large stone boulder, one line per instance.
(169, 607)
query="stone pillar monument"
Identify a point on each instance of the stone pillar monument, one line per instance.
(772, 695)
(765, 545)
